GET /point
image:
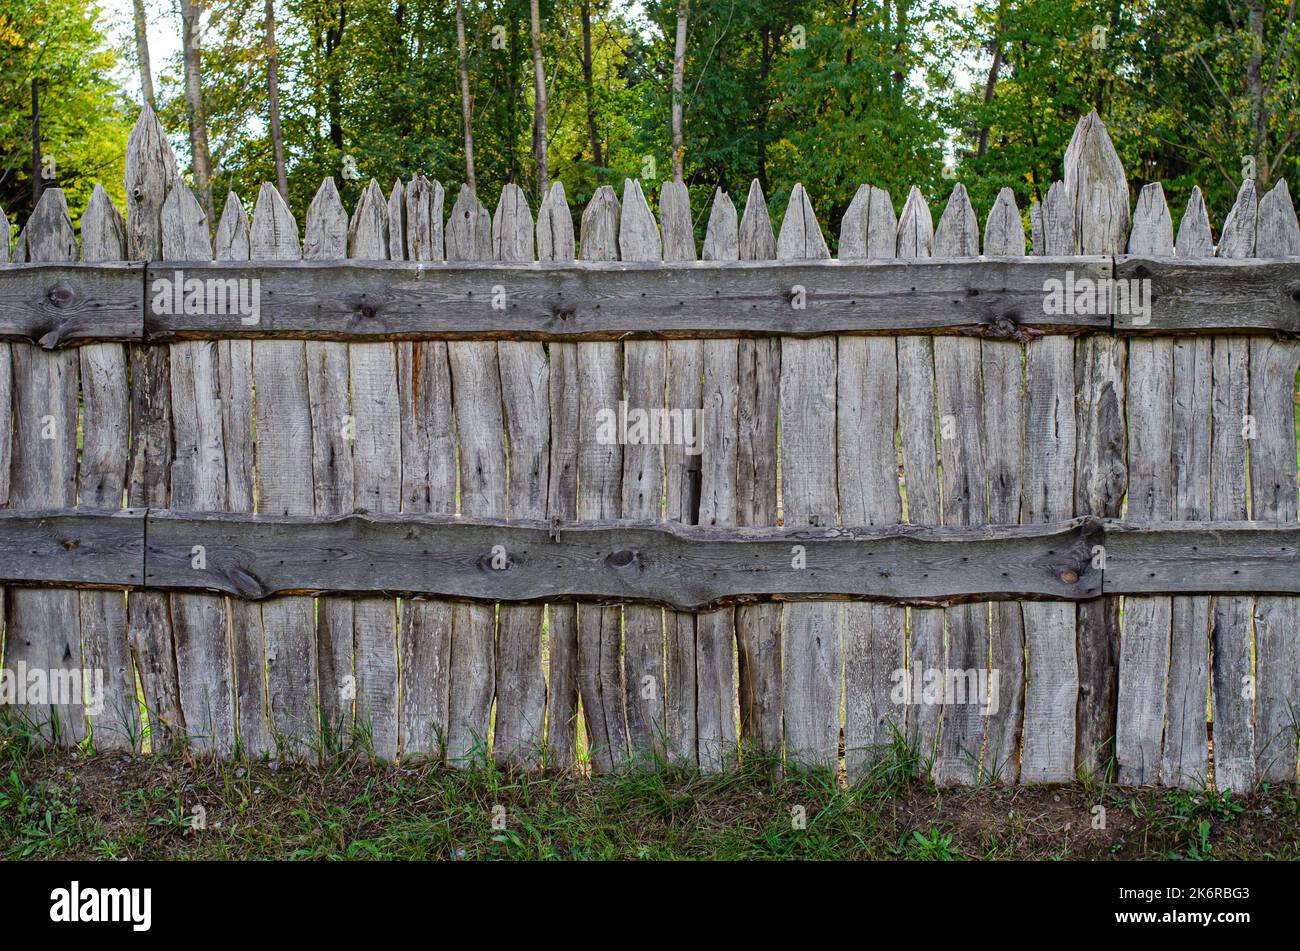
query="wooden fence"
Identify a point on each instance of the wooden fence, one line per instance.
(276, 486)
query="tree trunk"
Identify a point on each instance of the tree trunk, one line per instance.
(191, 12)
(142, 53)
(273, 100)
(1255, 83)
(334, 94)
(466, 108)
(539, 104)
(36, 145)
(679, 71)
(589, 91)
(992, 82)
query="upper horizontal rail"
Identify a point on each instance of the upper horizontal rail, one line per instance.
(57, 305)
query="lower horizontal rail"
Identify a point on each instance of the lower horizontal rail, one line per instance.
(681, 567)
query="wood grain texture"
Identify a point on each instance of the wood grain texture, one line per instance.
(376, 487)
(525, 407)
(758, 627)
(600, 468)
(555, 243)
(285, 487)
(813, 654)
(150, 174)
(101, 483)
(325, 238)
(867, 415)
(43, 628)
(645, 379)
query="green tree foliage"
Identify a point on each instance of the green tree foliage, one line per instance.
(83, 117)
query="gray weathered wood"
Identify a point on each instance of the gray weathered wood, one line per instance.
(236, 383)
(64, 304)
(869, 227)
(43, 627)
(525, 409)
(376, 487)
(1145, 638)
(424, 219)
(1233, 671)
(958, 234)
(1004, 232)
(115, 719)
(1238, 237)
(397, 222)
(285, 487)
(915, 227)
(600, 467)
(1214, 295)
(150, 174)
(1096, 188)
(1274, 499)
(555, 243)
(1185, 760)
(1153, 228)
(813, 674)
(645, 377)
(326, 239)
(758, 627)
(1060, 230)
(1194, 238)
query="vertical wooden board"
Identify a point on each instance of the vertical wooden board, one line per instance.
(284, 479)
(198, 482)
(397, 222)
(1052, 672)
(1194, 238)
(43, 627)
(6, 410)
(758, 626)
(1145, 638)
(325, 238)
(113, 710)
(236, 382)
(377, 489)
(715, 640)
(1273, 493)
(866, 418)
(600, 467)
(555, 242)
(428, 485)
(525, 408)
(1233, 671)
(958, 397)
(1004, 423)
(813, 656)
(1185, 760)
(1233, 683)
(476, 399)
(645, 380)
(917, 438)
(1097, 191)
(150, 174)
(1059, 228)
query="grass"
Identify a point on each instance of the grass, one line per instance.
(78, 804)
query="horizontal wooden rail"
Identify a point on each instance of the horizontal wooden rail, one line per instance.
(1000, 298)
(682, 567)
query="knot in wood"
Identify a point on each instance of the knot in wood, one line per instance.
(366, 311)
(60, 295)
(623, 558)
(1004, 326)
(1069, 576)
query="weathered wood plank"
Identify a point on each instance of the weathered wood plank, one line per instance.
(917, 438)
(81, 548)
(285, 487)
(332, 428)
(687, 567)
(867, 415)
(1004, 424)
(600, 468)
(150, 174)
(1274, 499)
(1185, 760)
(1194, 238)
(106, 426)
(1209, 296)
(758, 627)
(54, 304)
(237, 387)
(1001, 299)
(813, 670)
(204, 664)
(645, 378)
(525, 409)
(555, 243)
(377, 487)
(1219, 557)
